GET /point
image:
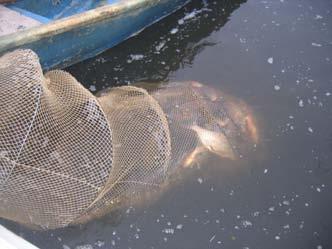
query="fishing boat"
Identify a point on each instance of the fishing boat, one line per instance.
(64, 32)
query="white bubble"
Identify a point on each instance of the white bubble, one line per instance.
(285, 202)
(314, 44)
(136, 57)
(286, 226)
(270, 60)
(179, 227)
(301, 103)
(246, 223)
(169, 231)
(100, 243)
(92, 88)
(87, 246)
(174, 31)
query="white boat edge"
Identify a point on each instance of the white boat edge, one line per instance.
(9, 240)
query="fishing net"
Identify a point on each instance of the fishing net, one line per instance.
(67, 156)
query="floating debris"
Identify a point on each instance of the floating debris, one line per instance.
(246, 223)
(136, 57)
(286, 203)
(100, 243)
(301, 103)
(270, 60)
(179, 226)
(174, 31)
(92, 88)
(316, 44)
(86, 246)
(276, 87)
(168, 230)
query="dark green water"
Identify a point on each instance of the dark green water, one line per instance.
(277, 56)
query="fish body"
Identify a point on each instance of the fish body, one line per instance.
(209, 141)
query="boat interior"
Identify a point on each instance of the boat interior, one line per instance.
(24, 14)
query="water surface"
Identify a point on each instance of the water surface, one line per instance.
(275, 55)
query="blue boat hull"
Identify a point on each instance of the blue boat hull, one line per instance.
(59, 49)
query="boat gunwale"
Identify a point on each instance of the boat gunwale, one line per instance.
(63, 25)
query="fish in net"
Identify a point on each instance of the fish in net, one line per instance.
(67, 156)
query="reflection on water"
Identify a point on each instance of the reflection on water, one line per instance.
(160, 50)
(275, 55)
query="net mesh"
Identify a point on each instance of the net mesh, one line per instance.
(67, 156)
